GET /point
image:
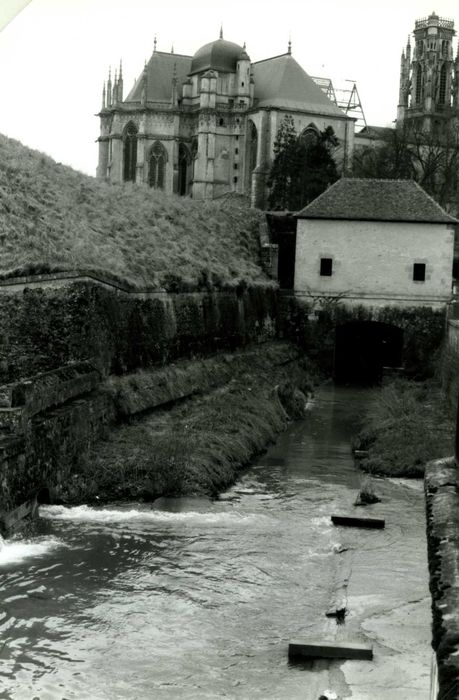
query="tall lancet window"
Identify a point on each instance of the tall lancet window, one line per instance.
(157, 166)
(184, 169)
(442, 91)
(419, 84)
(129, 152)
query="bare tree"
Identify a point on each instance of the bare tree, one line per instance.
(431, 158)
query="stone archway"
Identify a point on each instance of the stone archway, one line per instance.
(364, 348)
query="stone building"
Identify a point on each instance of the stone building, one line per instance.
(375, 243)
(205, 125)
(429, 76)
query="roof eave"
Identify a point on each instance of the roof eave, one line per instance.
(449, 222)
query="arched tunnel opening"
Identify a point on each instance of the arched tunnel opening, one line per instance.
(364, 348)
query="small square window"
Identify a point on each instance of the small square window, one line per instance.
(235, 166)
(326, 267)
(235, 179)
(419, 272)
(236, 151)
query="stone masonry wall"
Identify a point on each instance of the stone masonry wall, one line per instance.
(46, 326)
(442, 504)
(59, 341)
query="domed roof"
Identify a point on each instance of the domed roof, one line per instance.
(219, 55)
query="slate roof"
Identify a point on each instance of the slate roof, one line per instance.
(376, 200)
(375, 132)
(160, 71)
(281, 82)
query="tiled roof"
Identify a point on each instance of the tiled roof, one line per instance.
(376, 200)
(375, 132)
(281, 82)
(160, 71)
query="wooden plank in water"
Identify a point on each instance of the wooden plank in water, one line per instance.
(306, 649)
(350, 521)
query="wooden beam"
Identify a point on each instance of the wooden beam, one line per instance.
(350, 521)
(307, 649)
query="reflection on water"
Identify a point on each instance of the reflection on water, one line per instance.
(188, 598)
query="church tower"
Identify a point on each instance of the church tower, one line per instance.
(429, 76)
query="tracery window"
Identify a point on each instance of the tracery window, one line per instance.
(310, 135)
(442, 91)
(129, 152)
(157, 166)
(419, 84)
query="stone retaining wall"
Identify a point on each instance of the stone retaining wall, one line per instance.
(442, 504)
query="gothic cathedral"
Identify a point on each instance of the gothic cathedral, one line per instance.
(429, 78)
(205, 125)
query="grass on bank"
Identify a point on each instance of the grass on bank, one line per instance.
(53, 218)
(407, 425)
(198, 445)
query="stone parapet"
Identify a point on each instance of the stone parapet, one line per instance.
(442, 503)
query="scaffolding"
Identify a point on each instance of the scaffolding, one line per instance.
(346, 97)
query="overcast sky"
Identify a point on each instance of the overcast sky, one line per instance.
(55, 54)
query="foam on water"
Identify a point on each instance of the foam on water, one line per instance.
(14, 551)
(106, 515)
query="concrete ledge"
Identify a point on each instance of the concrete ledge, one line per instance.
(31, 396)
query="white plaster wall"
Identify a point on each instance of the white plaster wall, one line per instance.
(374, 260)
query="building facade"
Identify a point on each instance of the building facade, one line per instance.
(375, 243)
(205, 125)
(429, 76)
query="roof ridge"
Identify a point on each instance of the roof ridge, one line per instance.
(270, 58)
(168, 53)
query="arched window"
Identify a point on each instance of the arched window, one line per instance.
(253, 145)
(310, 135)
(183, 169)
(442, 90)
(157, 166)
(419, 85)
(129, 152)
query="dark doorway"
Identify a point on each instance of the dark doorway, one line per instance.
(363, 348)
(282, 228)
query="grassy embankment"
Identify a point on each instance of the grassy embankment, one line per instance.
(198, 445)
(55, 219)
(407, 425)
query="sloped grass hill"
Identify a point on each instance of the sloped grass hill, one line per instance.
(53, 218)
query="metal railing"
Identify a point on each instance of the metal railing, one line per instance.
(440, 22)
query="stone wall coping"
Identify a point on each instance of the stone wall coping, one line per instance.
(58, 279)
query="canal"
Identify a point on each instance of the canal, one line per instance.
(190, 598)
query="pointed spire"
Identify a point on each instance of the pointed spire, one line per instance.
(103, 96)
(154, 44)
(115, 88)
(221, 31)
(244, 46)
(120, 82)
(172, 48)
(289, 49)
(109, 87)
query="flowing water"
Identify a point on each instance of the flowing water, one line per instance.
(190, 598)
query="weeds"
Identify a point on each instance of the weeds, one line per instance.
(195, 447)
(407, 425)
(57, 219)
